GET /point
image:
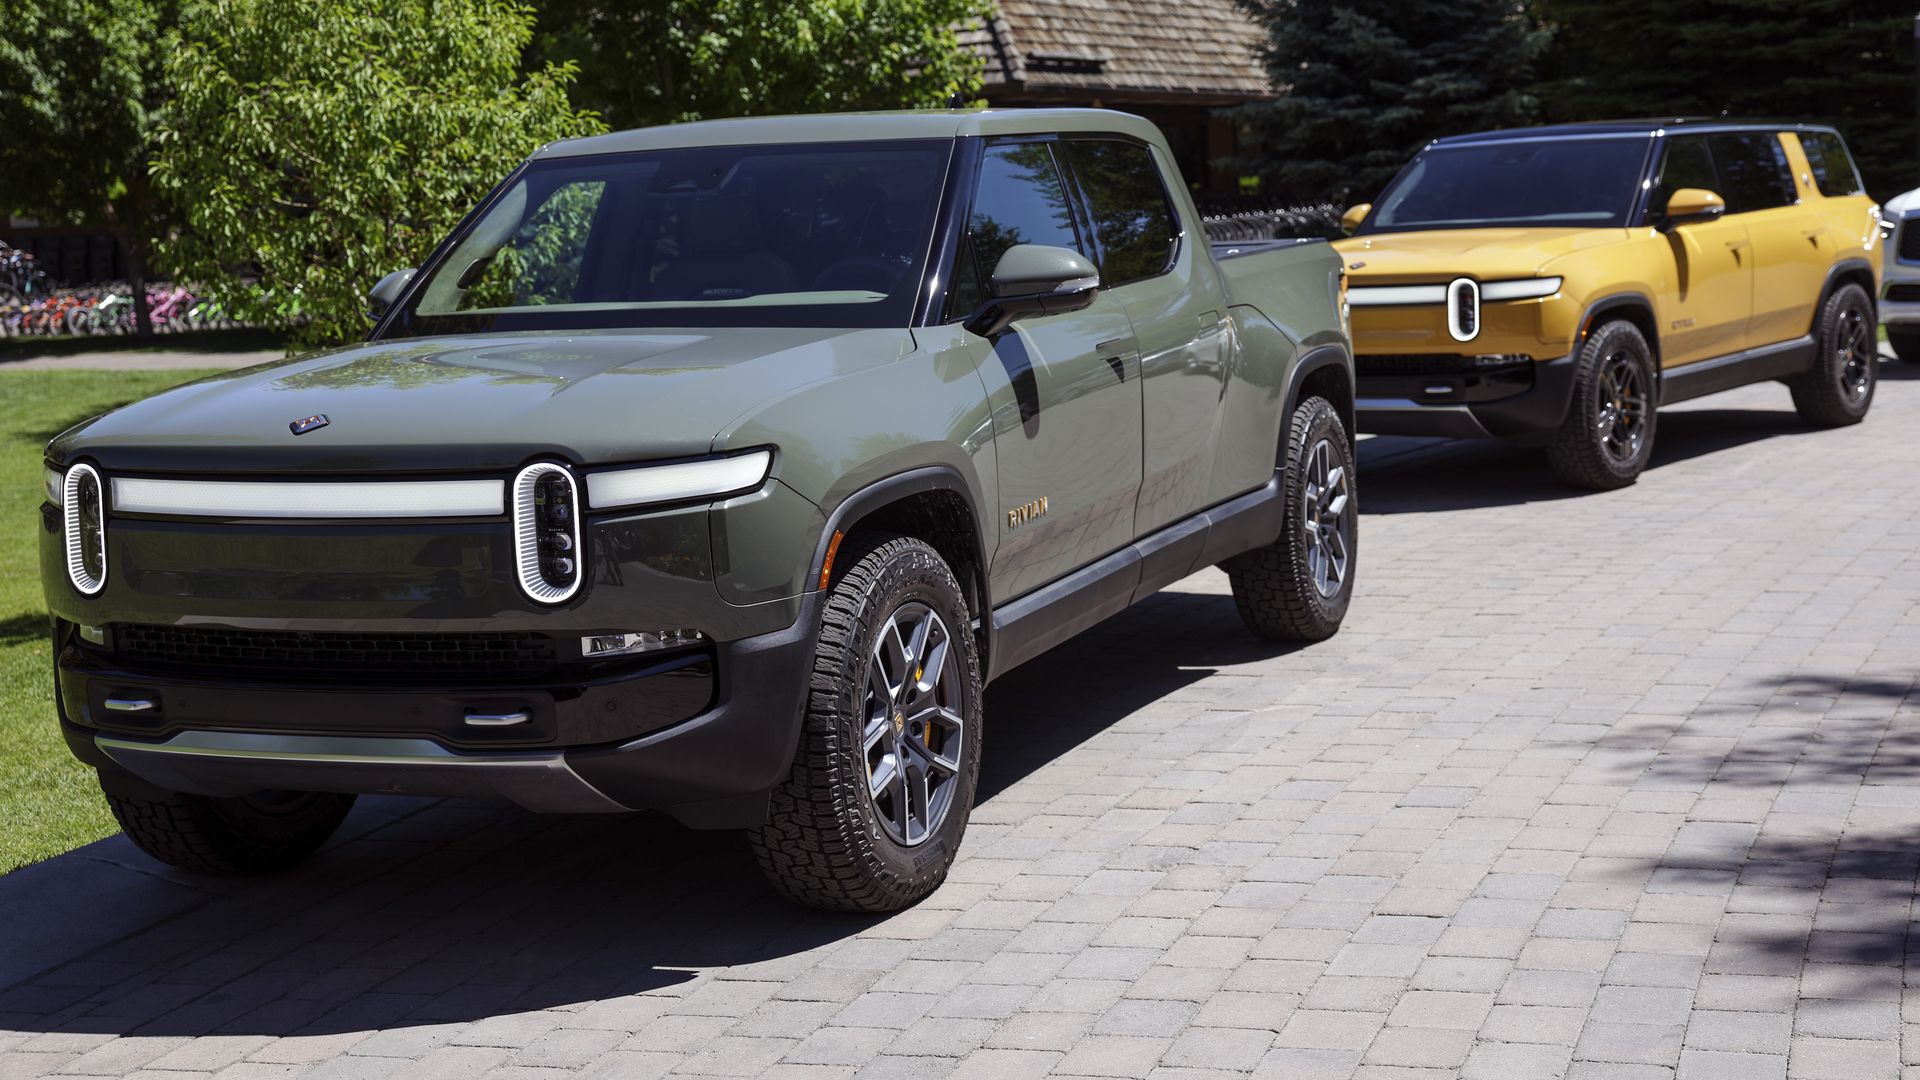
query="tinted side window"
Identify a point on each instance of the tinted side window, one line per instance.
(1020, 201)
(1753, 171)
(1128, 205)
(1687, 165)
(1833, 171)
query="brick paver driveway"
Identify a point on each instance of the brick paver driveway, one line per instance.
(1595, 786)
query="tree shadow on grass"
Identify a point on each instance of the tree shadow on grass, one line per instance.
(460, 910)
(24, 627)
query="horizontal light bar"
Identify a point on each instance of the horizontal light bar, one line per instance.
(1390, 295)
(678, 483)
(318, 500)
(1384, 295)
(1522, 289)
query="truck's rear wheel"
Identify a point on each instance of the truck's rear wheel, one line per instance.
(252, 834)
(1298, 587)
(1838, 389)
(1607, 437)
(871, 815)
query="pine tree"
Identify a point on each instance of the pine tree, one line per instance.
(1364, 85)
(1849, 63)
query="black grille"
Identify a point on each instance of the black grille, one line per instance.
(1904, 292)
(1466, 313)
(1431, 364)
(1910, 239)
(269, 654)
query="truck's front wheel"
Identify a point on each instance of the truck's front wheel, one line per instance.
(1298, 587)
(252, 834)
(871, 814)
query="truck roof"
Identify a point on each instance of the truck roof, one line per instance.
(1650, 127)
(855, 127)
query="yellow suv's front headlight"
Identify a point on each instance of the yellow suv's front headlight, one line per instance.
(1520, 289)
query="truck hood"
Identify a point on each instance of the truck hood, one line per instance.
(475, 403)
(1406, 258)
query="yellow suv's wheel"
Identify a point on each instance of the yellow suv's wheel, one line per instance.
(1607, 437)
(1838, 389)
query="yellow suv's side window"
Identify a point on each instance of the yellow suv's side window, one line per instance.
(1753, 171)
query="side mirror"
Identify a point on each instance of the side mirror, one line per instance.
(1350, 221)
(386, 292)
(1691, 204)
(1032, 279)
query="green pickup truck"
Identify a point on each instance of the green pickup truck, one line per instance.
(711, 469)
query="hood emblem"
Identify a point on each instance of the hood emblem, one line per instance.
(309, 423)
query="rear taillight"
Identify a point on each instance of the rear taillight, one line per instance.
(83, 499)
(546, 532)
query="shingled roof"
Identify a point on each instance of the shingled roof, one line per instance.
(1190, 51)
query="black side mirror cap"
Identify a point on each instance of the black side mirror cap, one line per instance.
(387, 291)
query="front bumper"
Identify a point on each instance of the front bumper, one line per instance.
(1461, 401)
(1900, 298)
(703, 733)
(717, 732)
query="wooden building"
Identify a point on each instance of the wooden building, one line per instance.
(1175, 62)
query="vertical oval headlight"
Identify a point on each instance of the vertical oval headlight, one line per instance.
(546, 532)
(83, 504)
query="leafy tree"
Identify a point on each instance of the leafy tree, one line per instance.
(1843, 62)
(318, 146)
(1365, 84)
(81, 85)
(673, 60)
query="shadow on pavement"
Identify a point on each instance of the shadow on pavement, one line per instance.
(1421, 476)
(1824, 894)
(433, 912)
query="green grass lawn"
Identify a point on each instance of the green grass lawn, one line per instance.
(48, 801)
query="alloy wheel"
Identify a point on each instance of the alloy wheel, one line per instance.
(1854, 348)
(915, 727)
(1327, 509)
(1621, 407)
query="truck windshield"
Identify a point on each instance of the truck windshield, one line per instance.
(815, 235)
(1583, 182)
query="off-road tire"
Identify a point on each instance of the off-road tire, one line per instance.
(822, 844)
(1275, 586)
(1905, 344)
(1579, 453)
(250, 835)
(1830, 394)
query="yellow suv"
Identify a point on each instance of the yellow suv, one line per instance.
(1560, 283)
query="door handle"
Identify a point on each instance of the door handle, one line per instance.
(1115, 354)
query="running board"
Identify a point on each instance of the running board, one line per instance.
(1026, 627)
(1703, 377)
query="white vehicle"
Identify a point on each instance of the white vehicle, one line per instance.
(1900, 276)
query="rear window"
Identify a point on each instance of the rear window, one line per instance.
(1833, 171)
